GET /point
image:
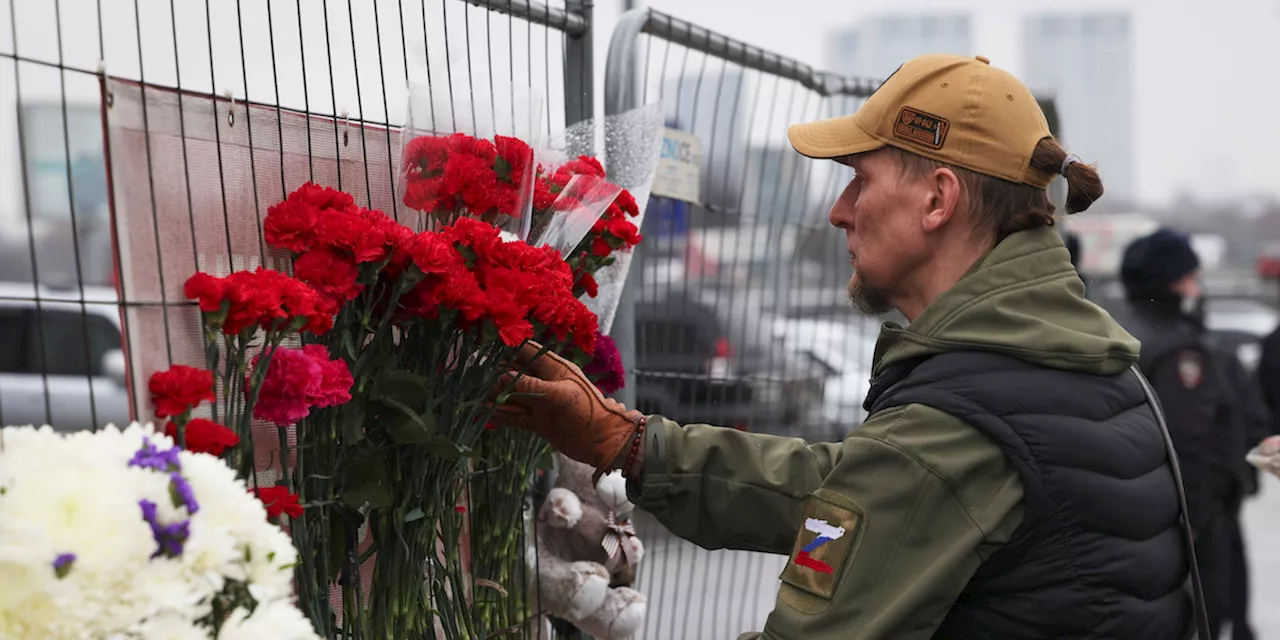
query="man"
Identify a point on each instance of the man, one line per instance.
(1245, 395)
(1011, 481)
(1193, 379)
(1072, 241)
(1268, 376)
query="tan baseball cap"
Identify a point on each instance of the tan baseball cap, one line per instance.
(954, 109)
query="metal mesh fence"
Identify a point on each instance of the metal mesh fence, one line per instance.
(741, 316)
(143, 140)
(226, 106)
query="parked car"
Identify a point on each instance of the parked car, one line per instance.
(843, 349)
(61, 361)
(707, 356)
(1240, 325)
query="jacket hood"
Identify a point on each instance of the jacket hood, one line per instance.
(1023, 299)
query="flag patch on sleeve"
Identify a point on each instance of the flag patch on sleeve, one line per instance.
(822, 547)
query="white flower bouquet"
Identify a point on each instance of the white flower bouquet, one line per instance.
(120, 534)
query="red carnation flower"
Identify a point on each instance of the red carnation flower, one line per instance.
(266, 298)
(292, 224)
(482, 237)
(322, 197)
(428, 194)
(627, 203)
(278, 502)
(472, 178)
(354, 234)
(426, 154)
(180, 388)
(330, 273)
(517, 155)
(463, 144)
(210, 291)
(204, 436)
(543, 198)
(589, 285)
(586, 165)
(600, 247)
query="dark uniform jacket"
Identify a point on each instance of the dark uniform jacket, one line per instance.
(1191, 377)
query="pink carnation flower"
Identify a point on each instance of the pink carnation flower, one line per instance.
(606, 369)
(297, 381)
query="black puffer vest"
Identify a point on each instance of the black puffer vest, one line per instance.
(1099, 552)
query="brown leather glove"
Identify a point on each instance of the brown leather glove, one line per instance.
(555, 400)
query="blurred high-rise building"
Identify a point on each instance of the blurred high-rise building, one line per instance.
(879, 44)
(1085, 61)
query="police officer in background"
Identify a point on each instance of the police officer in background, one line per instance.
(1011, 481)
(1194, 381)
(1072, 241)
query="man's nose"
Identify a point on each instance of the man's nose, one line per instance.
(839, 216)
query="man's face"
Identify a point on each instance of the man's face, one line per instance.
(1188, 287)
(882, 230)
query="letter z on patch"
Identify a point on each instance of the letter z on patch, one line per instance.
(822, 547)
(926, 129)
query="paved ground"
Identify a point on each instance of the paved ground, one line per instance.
(701, 595)
(1262, 539)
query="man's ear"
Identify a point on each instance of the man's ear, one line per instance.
(945, 194)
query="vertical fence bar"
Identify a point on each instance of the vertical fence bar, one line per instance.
(745, 217)
(579, 74)
(574, 23)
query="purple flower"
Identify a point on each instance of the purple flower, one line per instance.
(180, 491)
(605, 369)
(151, 457)
(169, 538)
(62, 564)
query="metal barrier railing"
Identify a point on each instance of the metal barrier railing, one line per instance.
(217, 111)
(341, 66)
(255, 97)
(735, 303)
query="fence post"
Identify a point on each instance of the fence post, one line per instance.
(579, 66)
(620, 95)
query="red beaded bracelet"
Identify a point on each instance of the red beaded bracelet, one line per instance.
(635, 446)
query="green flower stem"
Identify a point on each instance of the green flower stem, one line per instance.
(271, 343)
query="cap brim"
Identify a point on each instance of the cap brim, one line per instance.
(832, 138)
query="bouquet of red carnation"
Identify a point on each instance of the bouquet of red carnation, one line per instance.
(460, 158)
(385, 401)
(597, 246)
(588, 218)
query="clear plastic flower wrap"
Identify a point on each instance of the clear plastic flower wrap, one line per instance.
(595, 218)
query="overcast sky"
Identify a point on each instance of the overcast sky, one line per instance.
(1206, 73)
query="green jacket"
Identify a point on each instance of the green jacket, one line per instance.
(921, 498)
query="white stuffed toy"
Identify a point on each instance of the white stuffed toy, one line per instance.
(587, 554)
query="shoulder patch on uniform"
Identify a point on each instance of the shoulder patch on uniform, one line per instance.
(1190, 369)
(823, 547)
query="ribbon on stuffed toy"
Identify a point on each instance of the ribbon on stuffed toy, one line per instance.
(617, 543)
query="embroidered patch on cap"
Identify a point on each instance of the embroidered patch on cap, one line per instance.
(921, 128)
(822, 547)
